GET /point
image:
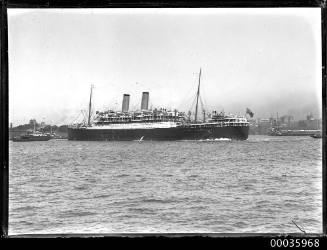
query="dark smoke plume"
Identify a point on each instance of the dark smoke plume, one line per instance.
(248, 111)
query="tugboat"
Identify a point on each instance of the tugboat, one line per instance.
(32, 135)
(294, 132)
(158, 124)
(317, 135)
(277, 131)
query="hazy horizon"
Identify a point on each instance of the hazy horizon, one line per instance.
(268, 60)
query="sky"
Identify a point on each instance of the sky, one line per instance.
(268, 60)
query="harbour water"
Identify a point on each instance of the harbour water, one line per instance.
(255, 186)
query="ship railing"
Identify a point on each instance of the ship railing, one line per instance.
(220, 124)
(161, 119)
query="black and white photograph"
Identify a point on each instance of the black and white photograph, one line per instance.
(165, 120)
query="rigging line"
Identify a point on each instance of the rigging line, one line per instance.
(189, 102)
(202, 105)
(203, 93)
(203, 97)
(73, 121)
(187, 97)
(193, 104)
(193, 99)
(84, 113)
(192, 89)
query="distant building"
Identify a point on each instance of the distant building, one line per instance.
(264, 126)
(309, 117)
(32, 122)
(253, 126)
(309, 124)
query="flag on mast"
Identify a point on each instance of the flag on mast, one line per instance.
(248, 111)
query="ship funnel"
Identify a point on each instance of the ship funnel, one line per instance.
(145, 101)
(125, 105)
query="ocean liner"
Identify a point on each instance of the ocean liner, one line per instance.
(158, 124)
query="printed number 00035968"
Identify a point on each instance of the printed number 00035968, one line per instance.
(294, 242)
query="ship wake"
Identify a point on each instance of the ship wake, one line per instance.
(211, 140)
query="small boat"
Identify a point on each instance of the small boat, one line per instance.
(32, 135)
(35, 136)
(293, 132)
(317, 135)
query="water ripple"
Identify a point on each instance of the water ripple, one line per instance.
(258, 185)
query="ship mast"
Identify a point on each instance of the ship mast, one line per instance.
(90, 106)
(197, 97)
(277, 122)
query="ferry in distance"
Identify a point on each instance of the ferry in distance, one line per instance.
(32, 135)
